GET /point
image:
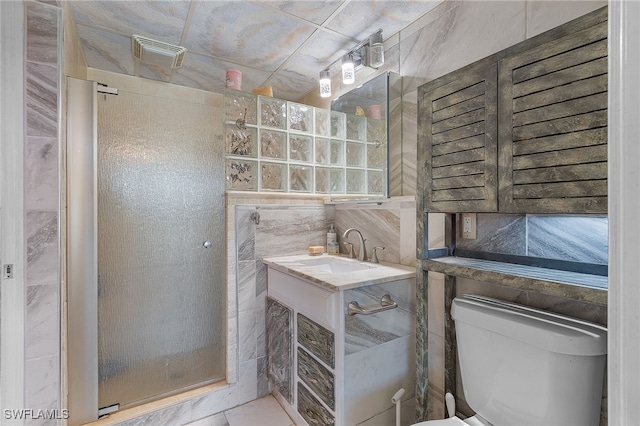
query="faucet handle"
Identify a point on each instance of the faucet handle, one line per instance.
(374, 256)
(350, 251)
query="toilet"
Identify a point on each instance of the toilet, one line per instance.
(526, 367)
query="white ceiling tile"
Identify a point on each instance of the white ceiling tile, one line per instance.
(206, 73)
(245, 33)
(106, 51)
(162, 20)
(313, 11)
(360, 19)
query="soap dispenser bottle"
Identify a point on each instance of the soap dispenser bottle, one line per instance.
(332, 242)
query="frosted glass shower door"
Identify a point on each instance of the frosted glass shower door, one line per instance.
(161, 293)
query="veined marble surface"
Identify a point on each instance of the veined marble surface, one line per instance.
(372, 274)
(365, 331)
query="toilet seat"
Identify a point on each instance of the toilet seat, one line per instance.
(451, 421)
(456, 421)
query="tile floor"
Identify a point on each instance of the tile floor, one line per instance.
(261, 412)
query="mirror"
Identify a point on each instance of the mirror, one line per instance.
(371, 118)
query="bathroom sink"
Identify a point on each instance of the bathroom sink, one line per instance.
(336, 265)
(337, 272)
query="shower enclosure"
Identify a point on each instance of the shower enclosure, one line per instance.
(160, 267)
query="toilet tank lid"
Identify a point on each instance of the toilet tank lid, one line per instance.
(546, 330)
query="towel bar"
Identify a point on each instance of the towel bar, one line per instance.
(386, 303)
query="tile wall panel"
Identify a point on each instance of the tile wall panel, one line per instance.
(42, 195)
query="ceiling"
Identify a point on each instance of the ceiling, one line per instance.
(283, 44)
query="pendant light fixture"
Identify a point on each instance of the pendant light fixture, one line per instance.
(369, 53)
(376, 50)
(325, 84)
(348, 69)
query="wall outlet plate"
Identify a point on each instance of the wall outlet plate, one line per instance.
(468, 225)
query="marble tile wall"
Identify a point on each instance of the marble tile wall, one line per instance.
(389, 223)
(42, 194)
(287, 226)
(571, 238)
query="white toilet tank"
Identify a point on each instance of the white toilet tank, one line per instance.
(523, 366)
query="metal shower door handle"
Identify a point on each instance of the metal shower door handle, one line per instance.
(207, 244)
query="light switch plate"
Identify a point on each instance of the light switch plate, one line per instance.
(468, 225)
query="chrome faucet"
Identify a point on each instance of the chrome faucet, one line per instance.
(362, 255)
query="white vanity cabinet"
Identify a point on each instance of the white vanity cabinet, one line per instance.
(342, 369)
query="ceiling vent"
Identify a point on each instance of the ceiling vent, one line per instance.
(154, 52)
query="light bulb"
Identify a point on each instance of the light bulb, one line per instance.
(325, 84)
(348, 70)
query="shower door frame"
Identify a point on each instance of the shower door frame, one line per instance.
(80, 311)
(82, 251)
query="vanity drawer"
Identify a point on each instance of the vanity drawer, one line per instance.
(317, 339)
(311, 410)
(316, 302)
(317, 377)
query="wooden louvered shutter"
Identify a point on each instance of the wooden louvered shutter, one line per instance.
(553, 126)
(459, 141)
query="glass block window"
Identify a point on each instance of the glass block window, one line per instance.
(274, 145)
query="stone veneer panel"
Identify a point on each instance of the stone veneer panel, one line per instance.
(279, 326)
(387, 223)
(42, 195)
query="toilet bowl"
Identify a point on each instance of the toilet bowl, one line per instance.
(514, 359)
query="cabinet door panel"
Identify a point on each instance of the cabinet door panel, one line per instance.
(279, 326)
(552, 139)
(458, 141)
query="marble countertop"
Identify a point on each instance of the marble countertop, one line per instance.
(365, 273)
(587, 287)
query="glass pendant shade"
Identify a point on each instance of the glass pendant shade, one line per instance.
(348, 70)
(376, 51)
(325, 84)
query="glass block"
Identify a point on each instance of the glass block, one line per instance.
(323, 155)
(338, 124)
(241, 175)
(273, 144)
(376, 131)
(300, 148)
(355, 181)
(273, 112)
(242, 142)
(355, 154)
(323, 122)
(240, 105)
(323, 176)
(356, 128)
(300, 117)
(375, 182)
(376, 156)
(337, 152)
(273, 176)
(300, 178)
(337, 181)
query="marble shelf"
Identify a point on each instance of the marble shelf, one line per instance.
(578, 286)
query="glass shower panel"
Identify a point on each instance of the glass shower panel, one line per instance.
(161, 293)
